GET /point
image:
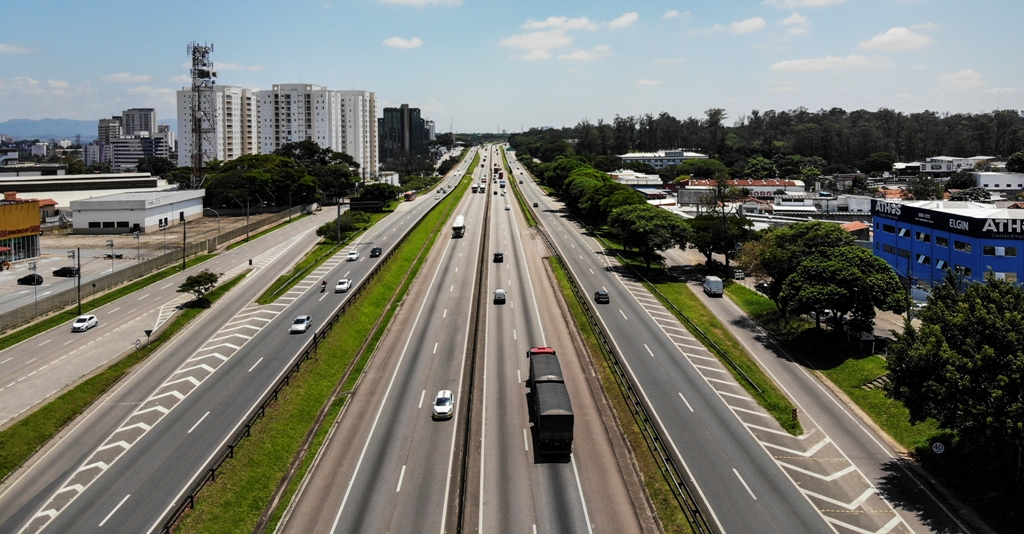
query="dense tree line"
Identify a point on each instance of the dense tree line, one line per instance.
(836, 136)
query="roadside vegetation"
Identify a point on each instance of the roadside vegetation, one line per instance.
(21, 440)
(514, 184)
(262, 233)
(245, 485)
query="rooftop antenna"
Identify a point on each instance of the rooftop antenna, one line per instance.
(203, 109)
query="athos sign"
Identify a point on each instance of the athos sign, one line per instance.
(947, 222)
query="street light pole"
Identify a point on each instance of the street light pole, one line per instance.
(110, 243)
(218, 223)
(184, 238)
(35, 290)
(246, 206)
(78, 273)
(138, 247)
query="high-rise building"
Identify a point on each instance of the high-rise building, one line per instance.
(108, 129)
(138, 120)
(128, 150)
(231, 125)
(164, 130)
(339, 120)
(429, 124)
(402, 132)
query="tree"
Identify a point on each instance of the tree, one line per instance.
(844, 280)
(961, 179)
(380, 192)
(964, 365)
(155, 165)
(1015, 163)
(759, 168)
(346, 223)
(702, 169)
(75, 164)
(972, 194)
(878, 162)
(714, 235)
(649, 230)
(199, 284)
(924, 187)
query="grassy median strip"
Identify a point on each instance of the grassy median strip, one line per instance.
(669, 513)
(245, 484)
(70, 314)
(847, 366)
(262, 233)
(514, 184)
(19, 442)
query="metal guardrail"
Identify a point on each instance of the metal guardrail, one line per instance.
(652, 436)
(210, 472)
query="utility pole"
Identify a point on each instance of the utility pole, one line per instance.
(184, 238)
(203, 80)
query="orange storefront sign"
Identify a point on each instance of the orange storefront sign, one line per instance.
(19, 219)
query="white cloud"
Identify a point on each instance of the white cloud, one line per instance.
(927, 26)
(898, 38)
(217, 65)
(919, 67)
(1001, 91)
(57, 84)
(738, 27)
(833, 63)
(398, 42)
(649, 82)
(537, 55)
(798, 24)
(148, 95)
(127, 77)
(565, 23)
(424, 2)
(963, 80)
(326, 6)
(181, 78)
(16, 83)
(542, 40)
(793, 4)
(587, 55)
(627, 19)
(13, 49)
(670, 14)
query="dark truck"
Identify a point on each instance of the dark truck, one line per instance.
(551, 405)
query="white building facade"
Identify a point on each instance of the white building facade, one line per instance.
(231, 117)
(135, 212)
(661, 158)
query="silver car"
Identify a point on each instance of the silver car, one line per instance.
(301, 324)
(84, 322)
(444, 405)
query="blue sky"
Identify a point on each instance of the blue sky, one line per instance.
(485, 64)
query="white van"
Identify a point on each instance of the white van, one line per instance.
(713, 286)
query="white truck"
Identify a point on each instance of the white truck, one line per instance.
(713, 286)
(459, 228)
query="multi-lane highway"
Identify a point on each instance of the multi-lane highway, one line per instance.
(750, 475)
(127, 462)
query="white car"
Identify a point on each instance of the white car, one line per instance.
(353, 255)
(301, 324)
(507, 207)
(84, 322)
(444, 405)
(343, 285)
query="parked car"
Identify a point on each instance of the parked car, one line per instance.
(84, 322)
(66, 272)
(353, 255)
(499, 296)
(343, 285)
(761, 287)
(601, 297)
(375, 252)
(301, 324)
(444, 405)
(737, 274)
(31, 280)
(499, 257)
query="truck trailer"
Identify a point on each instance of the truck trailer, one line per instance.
(553, 416)
(459, 228)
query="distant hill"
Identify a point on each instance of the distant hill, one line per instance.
(45, 129)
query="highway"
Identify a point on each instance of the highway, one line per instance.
(127, 462)
(387, 467)
(730, 447)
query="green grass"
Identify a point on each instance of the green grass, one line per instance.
(262, 233)
(70, 314)
(770, 397)
(514, 184)
(246, 483)
(657, 485)
(19, 442)
(847, 365)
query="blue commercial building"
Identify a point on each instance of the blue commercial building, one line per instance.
(922, 239)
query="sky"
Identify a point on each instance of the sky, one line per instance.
(489, 65)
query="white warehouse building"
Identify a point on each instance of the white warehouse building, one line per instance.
(135, 212)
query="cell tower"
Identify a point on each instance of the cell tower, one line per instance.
(203, 109)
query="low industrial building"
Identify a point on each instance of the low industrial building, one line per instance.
(633, 178)
(921, 240)
(135, 212)
(661, 158)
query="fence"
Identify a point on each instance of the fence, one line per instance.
(69, 297)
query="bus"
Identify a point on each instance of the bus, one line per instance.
(409, 196)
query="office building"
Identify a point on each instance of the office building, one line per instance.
(923, 239)
(229, 121)
(402, 133)
(129, 150)
(429, 124)
(661, 158)
(137, 120)
(108, 129)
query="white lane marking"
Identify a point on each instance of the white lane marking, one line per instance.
(685, 401)
(168, 285)
(114, 510)
(526, 441)
(648, 350)
(445, 314)
(519, 376)
(623, 314)
(143, 296)
(424, 394)
(592, 271)
(451, 289)
(32, 360)
(113, 310)
(43, 343)
(456, 269)
(586, 516)
(744, 482)
(514, 334)
(400, 477)
(7, 360)
(435, 347)
(197, 422)
(254, 365)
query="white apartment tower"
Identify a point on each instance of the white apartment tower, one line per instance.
(234, 125)
(344, 121)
